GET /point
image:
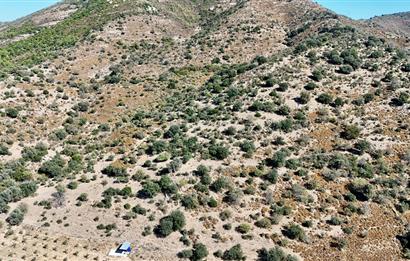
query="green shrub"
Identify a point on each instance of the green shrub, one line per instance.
(243, 228)
(114, 76)
(4, 150)
(402, 99)
(272, 176)
(405, 243)
(361, 189)
(230, 131)
(173, 132)
(12, 112)
(335, 221)
(174, 165)
(233, 196)
(225, 214)
(248, 147)
(324, 98)
(269, 81)
(333, 57)
(107, 228)
(174, 222)
(278, 159)
(283, 86)
(213, 203)
(18, 171)
(36, 153)
(189, 202)
(283, 110)
(8, 194)
(351, 58)
(307, 223)
(164, 156)
(178, 219)
(27, 188)
(294, 231)
(157, 146)
(310, 86)
(303, 98)
(364, 170)
(16, 217)
(274, 254)
(201, 170)
(165, 227)
(82, 106)
(83, 197)
(139, 210)
(72, 185)
(373, 41)
(206, 179)
(126, 191)
(317, 75)
(60, 134)
(339, 243)
(350, 132)
(220, 184)
(54, 167)
(4, 208)
(338, 102)
(263, 223)
(234, 253)
(292, 163)
(114, 171)
(260, 59)
(167, 185)
(199, 252)
(149, 189)
(218, 152)
(345, 69)
(262, 106)
(300, 48)
(185, 254)
(283, 125)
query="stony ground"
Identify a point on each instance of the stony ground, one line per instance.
(263, 123)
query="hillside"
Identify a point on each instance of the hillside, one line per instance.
(202, 130)
(397, 23)
(394, 26)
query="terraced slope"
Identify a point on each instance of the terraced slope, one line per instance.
(217, 130)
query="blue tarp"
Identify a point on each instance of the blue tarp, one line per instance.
(125, 247)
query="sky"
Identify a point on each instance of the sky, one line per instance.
(364, 9)
(13, 9)
(356, 9)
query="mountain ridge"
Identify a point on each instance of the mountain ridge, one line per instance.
(219, 130)
(398, 23)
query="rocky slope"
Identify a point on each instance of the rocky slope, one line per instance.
(395, 26)
(217, 130)
(397, 23)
